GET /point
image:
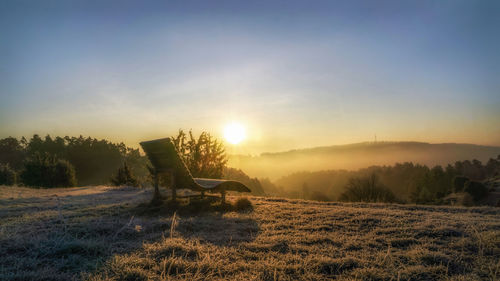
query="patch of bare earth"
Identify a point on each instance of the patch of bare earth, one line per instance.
(97, 233)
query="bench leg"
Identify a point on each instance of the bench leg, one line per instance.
(223, 197)
(157, 186)
(174, 188)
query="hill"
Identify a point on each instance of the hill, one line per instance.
(360, 155)
(97, 233)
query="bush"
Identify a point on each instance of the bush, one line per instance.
(7, 175)
(459, 198)
(476, 189)
(44, 171)
(466, 200)
(124, 176)
(243, 204)
(367, 190)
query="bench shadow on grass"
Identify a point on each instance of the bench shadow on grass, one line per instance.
(205, 220)
(74, 238)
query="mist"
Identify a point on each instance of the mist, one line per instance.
(357, 156)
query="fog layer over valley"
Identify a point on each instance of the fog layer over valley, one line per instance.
(356, 156)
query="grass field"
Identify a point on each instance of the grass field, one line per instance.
(101, 233)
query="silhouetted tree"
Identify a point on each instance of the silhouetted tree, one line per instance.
(124, 176)
(431, 185)
(492, 167)
(459, 183)
(270, 188)
(367, 189)
(476, 189)
(12, 152)
(205, 156)
(7, 175)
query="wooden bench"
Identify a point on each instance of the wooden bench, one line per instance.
(166, 160)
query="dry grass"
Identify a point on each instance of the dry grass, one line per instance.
(99, 233)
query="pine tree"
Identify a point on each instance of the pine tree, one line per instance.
(124, 176)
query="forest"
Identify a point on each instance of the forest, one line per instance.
(409, 182)
(92, 161)
(80, 161)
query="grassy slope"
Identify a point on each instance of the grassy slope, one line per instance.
(96, 233)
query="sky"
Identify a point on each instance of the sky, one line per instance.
(296, 74)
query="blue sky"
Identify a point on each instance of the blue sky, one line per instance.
(295, 73)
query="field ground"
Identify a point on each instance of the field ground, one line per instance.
(99, 233)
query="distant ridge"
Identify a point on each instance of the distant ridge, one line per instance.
(378, 144)
(360, 155)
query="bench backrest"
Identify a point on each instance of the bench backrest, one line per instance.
(165, 158)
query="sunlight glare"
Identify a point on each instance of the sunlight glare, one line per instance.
(234, 133)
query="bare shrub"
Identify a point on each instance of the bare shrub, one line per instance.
(243, 204)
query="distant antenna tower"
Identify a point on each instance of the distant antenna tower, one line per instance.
(375, 138)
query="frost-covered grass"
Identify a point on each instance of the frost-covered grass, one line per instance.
(104, 233)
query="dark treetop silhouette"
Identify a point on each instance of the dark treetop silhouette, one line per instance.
(165, 159)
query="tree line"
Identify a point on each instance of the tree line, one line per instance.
(65, 161)
(402, 182)
(70, 161)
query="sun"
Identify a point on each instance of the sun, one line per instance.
(234, 132)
